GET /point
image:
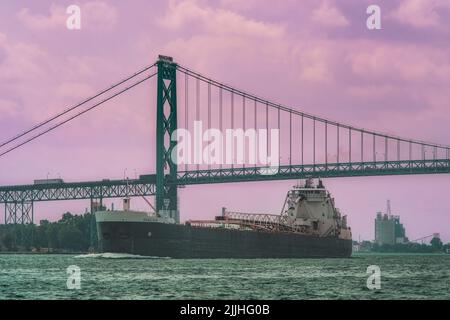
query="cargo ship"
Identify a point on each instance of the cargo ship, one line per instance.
(309, 226)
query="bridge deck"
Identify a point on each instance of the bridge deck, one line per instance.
(78, 190)
(329, 170)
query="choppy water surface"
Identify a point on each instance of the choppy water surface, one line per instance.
(111, 276)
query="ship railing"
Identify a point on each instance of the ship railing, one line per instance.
(212, 224)
(261, 221)
(271, 227)
(253, 217)
(253, 221)
(231, 223)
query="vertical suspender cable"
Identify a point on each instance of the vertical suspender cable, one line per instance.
(410, 150)
(279, 136)
(349, 145)
(186, 111)
(374, 148)
(386, 149)
(257, 141)
(326, 143)
(302, 140)
(243, 125)
(290, 138)
(337, 144)
(362, 146)
(232, 128)
(209, 122)
(267, 131)
(197, 111)
(314, 142)
(221, 127)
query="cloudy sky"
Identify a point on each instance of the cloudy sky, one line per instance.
(316, 56)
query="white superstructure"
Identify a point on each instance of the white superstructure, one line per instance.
(308, 209)
(127, 215)
(311, 208)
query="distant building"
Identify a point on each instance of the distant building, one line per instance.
(365, 245)
(356, 246)
(384, 229)
(388, 229)
(400, 234)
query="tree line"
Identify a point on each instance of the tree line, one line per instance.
(435, 246)
(72, 233)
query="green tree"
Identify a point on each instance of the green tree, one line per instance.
(436, 244)
(8, 241)
(70, 237)
(71, 232)
(67, 218)
(41, 239)
(52, 236)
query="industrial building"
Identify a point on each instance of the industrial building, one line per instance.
(388, 229)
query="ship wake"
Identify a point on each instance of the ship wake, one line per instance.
(110, 255)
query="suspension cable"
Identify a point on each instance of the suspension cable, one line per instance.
(77, 114)
(266, 102)
(37, 126)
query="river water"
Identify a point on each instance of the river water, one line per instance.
(114, 276)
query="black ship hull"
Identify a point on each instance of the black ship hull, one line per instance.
(184, 241)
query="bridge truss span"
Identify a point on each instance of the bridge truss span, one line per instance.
(330, 170)
(77, 190)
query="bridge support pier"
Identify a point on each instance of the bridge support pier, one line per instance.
(166, 124)
(95, 205)
(20, 212)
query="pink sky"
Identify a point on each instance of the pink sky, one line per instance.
(316, 56)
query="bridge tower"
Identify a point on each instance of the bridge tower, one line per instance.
(166, 124)
(19, 212)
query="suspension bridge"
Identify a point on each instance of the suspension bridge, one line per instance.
(309, 146)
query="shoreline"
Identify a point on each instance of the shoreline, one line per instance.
(38, 253)
(398, 253)
(354, 254)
